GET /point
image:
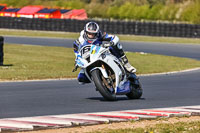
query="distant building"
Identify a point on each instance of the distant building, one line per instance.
(28, 11)
(48, 13)
(79, 14)
(10, 12)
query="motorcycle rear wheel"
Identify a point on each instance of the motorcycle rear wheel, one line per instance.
(136, 91)
(104, 91)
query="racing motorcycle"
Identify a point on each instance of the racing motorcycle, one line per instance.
(107, 73)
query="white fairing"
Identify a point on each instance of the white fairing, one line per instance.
(97, 53)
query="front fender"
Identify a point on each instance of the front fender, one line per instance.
(103, 71)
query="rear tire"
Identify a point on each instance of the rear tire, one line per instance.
(136, 91)
(101, 87)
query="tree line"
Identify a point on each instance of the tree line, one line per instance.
(164, 10)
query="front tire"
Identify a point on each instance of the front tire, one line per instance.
(106, 92)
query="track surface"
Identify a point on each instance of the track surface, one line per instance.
(67, 97)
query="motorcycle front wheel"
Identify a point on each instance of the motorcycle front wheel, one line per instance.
(99, 81)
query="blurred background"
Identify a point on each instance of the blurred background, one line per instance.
(174, 18)
(187, 11)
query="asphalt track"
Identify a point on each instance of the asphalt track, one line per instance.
(22, 99)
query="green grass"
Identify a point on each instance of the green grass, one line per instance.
(151, 63)
(31, 33)
(122, 37)
(180, 127)
(36, 62)
(41, 62)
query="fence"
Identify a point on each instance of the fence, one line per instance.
(116, 27)
(1, 50)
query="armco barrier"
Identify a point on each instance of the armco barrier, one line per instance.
(115, 27)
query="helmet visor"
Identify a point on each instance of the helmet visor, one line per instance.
(91, 35)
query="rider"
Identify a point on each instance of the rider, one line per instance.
(92, 35)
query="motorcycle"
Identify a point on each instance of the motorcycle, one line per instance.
(107, 73)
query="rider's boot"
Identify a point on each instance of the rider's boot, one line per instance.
(127, 65)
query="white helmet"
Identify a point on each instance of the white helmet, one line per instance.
(91, 31)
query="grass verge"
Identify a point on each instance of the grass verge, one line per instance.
(160, 125)
(122, 37)
(26, 62)
(179, 127)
